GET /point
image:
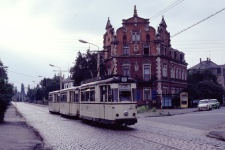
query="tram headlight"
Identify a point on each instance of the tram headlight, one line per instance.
(125, 113)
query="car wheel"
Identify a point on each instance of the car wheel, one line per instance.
(209, 108)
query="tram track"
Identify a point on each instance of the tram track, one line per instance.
(148, 140)
(174, 140)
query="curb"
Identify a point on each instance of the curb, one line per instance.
(215, 134)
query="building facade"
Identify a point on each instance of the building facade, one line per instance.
(141, 52)
(67, 83)
(218, 70)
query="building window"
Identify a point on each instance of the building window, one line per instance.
(146, 72)
(182, 74)
(126, 71)
(135, 36)
(147, 94)
(147, 37)
(177, 73)
(126, 50)
(109, 71)
(181, 57)
(173, 91)
(172, 73)
(165, 90)
(175, 55)
(164, 51)
(146, 49)
(164, 70)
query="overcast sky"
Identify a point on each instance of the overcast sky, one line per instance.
(36, 33)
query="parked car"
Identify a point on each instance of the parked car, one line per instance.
(204, 105)
(214, 103)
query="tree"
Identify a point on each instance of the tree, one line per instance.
(6, 91)
(85, 67)
(41, 93)
(203, 85)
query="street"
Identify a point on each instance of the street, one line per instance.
(187, 131)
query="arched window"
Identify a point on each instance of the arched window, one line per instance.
(126, 68)
(126, 50)
(146, 49)
(146, 70)
(164, 70)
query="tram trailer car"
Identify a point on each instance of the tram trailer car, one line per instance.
(109, 101)
(54, 101)
(65, 102)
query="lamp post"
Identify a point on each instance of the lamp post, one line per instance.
(98, 55)
(60, 78)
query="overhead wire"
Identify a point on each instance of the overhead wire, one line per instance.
(199, 22)
(22, 74)
(166, 9)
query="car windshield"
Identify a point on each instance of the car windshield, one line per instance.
(125, 95)
(203, 102)
(212, 100)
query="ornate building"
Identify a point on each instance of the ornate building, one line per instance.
(139, 51)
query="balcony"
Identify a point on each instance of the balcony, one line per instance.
(143, 78)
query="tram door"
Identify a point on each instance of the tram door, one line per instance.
(103, 96)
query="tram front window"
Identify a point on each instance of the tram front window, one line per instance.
(125, 95)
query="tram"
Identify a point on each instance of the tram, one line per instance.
(109, 100)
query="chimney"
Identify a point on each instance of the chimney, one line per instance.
(200, 60)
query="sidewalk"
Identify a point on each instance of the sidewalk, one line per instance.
(16, 134)
(166, 112)
(218, 132)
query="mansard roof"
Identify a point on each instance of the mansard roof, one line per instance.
(208, 64)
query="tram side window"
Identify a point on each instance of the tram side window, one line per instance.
(103, 93)
(87, 96)
(92, 95)
(50, 98)
(83, 96)
(110, 98)
(72, 97)
(115, 95)
(77, 97)
(63, 98)
(56, 98)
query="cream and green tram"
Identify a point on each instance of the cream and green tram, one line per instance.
(109, 101)
(54, 102)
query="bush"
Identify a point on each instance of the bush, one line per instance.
(142, 109)
(3, 107)
(153, 109)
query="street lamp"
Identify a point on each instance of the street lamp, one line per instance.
(98, 55)
(60, 78)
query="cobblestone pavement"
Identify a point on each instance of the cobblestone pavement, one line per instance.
(63, 133)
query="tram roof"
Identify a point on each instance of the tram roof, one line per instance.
(107, 79)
